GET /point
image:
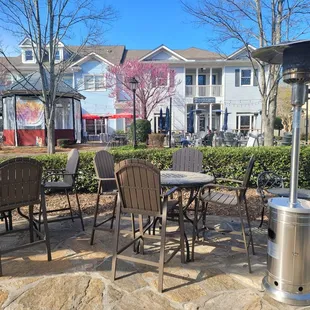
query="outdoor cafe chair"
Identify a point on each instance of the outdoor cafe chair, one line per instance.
(187, 159)
(140, 193)
(213, 193)
(64, 180)
(230, 139)
(266, 180)
(104, 168)
(20, 186)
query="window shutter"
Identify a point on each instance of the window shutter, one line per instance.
(255, 82)
(237, 77)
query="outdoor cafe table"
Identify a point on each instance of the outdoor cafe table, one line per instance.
(285, 192)
(186, 180)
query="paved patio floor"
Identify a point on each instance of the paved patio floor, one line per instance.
(79, 276)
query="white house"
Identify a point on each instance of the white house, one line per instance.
(208, 82)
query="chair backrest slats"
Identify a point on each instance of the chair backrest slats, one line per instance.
(104, 168)
(20, 182)
(248, 172)
(72, 166)
(139, 186)
(187, 159)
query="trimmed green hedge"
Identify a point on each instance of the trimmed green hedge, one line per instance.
(225, 162)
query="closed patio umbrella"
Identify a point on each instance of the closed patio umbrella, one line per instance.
(167, 123)
(225, 124)
(161, 125)
(191, 121)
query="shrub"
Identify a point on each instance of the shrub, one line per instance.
(63, 143)
(221, 161)
(143, 128)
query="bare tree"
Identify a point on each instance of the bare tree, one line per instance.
(259, 23)
(46, 23)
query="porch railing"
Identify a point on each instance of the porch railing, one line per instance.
(203, 90)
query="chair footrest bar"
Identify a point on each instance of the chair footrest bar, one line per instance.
(22, 247)
(138, 260)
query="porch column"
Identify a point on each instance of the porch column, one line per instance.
(210, 116)
(221, 117)
(251, 129)
(210, 91)
(106, 125)
(196, 88)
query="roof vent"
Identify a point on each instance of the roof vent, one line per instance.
(109, 51)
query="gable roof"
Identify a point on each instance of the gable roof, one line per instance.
(235, 54)
(163, 47)
(195, 53)
(192, 53)
(88, 57)
(111, 53)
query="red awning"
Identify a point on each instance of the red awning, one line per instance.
(90, 116)
(120, 115)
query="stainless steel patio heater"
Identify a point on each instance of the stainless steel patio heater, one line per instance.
(288, 259)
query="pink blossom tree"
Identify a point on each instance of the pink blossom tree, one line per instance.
(156, 84)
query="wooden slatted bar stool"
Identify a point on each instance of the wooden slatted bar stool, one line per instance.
(212, 193)
(140, 193)
(104, 168)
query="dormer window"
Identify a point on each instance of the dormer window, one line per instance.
(29, 55)
(57, 55)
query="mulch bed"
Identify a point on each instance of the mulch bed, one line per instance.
(87, 201)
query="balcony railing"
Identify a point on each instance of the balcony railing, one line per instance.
(190, 90)
(203, 90)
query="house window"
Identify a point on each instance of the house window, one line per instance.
(246, 77)
(201, 80)
(57, 55)
(94, 82)
(162, 79)
(28, 55)
(214, 79)
(189, 80)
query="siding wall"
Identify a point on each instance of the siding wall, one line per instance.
(96, 102)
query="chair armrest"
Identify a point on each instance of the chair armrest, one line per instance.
(58, 174)
(169, 192)
(210, 186)
(105, 179)
(229, 180)
(225, 187)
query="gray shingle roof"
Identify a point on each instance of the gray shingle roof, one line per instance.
(32, 84)
(192, 53)
(112, 53)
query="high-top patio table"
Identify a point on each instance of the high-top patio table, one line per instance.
(285, 192)
(186, 180)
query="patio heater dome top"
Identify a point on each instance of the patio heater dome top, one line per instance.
(293, 55)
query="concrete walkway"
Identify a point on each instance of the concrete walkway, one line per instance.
(79, 277)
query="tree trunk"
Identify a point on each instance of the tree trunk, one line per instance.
(268, 120)
(50, 138)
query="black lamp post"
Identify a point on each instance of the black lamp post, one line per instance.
(133, 85)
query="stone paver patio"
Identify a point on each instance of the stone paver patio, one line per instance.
(79, 277)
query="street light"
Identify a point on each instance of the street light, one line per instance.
(133, 85)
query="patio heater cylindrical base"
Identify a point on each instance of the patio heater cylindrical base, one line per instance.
(285, 297)
(288, 259)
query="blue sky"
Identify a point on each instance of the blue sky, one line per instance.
(146, 24)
